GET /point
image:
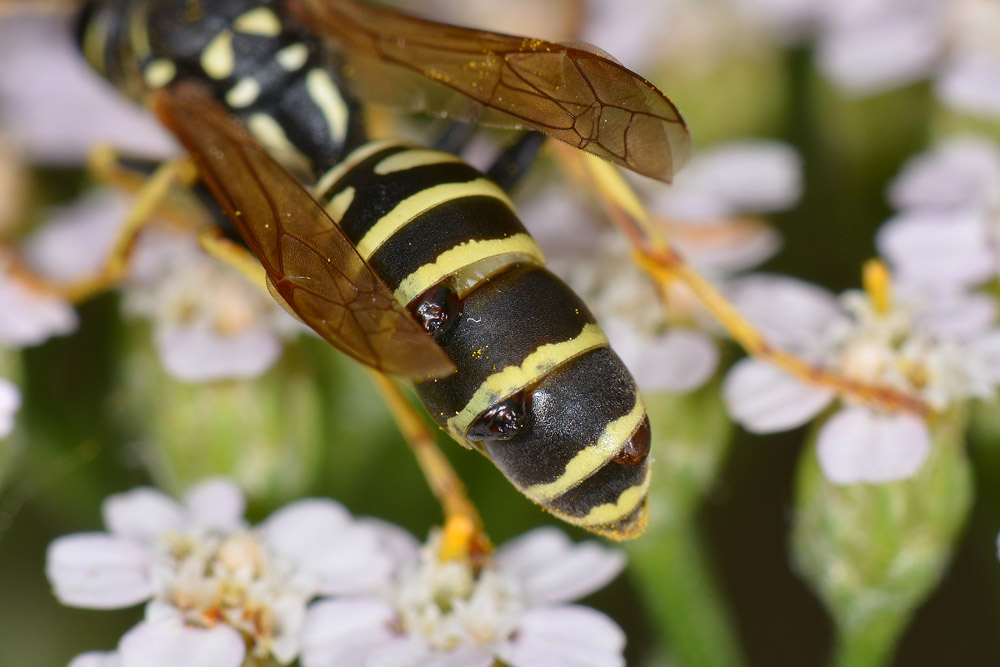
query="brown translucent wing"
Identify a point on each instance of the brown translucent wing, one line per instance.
(571, 93)
(310, 262)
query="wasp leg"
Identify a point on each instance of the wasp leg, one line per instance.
(463, 536)
(234, 255)
(153, 195)
(651, 252)
(455, 137)
(512, 164)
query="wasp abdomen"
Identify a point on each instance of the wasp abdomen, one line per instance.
(525, 334)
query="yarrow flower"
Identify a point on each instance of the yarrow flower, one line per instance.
(868, 46)
(946, 236)
(669, 344)
(452, 612)
(909, 344)
(217, 591)
(31, 315)
(230, 331)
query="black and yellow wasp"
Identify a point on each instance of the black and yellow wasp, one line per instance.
(405, 258)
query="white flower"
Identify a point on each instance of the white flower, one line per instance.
(671, 346)
(55, 107)
(942, 352)
(511, 608)
(31, 315)
(10, 403)
(209, 322)
(868, 46)
(216, 589)
(946, 236)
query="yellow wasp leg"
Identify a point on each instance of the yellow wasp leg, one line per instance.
(463, 529)
(152, 197)
(654, 256)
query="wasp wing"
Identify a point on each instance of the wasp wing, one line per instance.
(309, 261)
(570, 92)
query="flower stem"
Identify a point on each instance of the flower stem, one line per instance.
(870, 644)
(683, 597)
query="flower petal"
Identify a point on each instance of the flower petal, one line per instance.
(96, 659)
(790, 313)
(337, 554)
(40, 69)
(10, 403)
(764, 399)
(99, 571)
(736, 177)
(31, 317)
(880, 54)
(197, 352)
(680, 360)
(554, 569)
(143, 513)
(858, 445)
(75, 241)
(216, 503)
(568, 636)
(168, 643)
(958, 173)
(963, 316)
(342, 632)
(935, 251)
(971, 83)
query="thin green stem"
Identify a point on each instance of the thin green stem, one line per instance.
(683, 597)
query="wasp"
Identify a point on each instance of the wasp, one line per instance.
(405, 258)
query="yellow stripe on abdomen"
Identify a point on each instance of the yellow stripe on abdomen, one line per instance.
(591, 458)
(521, 247)
(425, 200)
(512, 379)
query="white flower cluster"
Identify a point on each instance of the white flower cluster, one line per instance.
(314, 583)
(935, 339)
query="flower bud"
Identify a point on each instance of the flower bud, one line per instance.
(872, 552)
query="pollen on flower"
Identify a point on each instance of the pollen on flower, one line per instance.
(452, 602)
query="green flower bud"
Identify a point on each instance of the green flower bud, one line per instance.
(267, 433)
(872, 552)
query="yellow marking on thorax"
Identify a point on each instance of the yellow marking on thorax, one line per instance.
(270, 133)
(218, 58)
(627, 502)
(590, 459)
(260, 21)
(244, 93)
(356, 157)
(339, 204)
(138, 34)
(326, 95)
(94, 43)
(425, 200)
(292, 57)
(512, 379)
(159, 73)
(420, 157)
(519, 246)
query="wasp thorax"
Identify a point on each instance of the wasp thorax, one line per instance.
(437, 309)
(503, 421)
